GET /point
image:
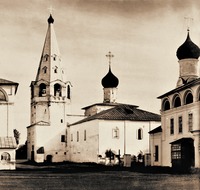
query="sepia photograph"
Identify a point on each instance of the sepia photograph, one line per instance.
(99, 94)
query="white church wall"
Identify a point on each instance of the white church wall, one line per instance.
(111, 137)
(155, 140)
(84, 141)
(127, 141)
(50, 138)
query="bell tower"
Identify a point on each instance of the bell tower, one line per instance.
(50, 100)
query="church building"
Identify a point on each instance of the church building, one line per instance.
(50, 101)
(8, 144)
(110, 128)
(176, 143)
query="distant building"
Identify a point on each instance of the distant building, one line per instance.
(50, 101)
(8, 144)
(110, 128)
(177, 142)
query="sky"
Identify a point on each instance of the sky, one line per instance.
(143, 36)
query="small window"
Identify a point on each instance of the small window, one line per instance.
(84, 135)
(45, 58)
(172, 126)
(44, 69)
(139, 134)
(115, 133)
(54, 57)
(68, 92)
(61, 120)
(180, 124)
(77, 136)
(55, 69)
(156, 153)
(190, 121)
(71, 137)
(62, 138)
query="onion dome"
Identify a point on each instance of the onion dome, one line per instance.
(188, 50)
(50, 19)
(110, 80)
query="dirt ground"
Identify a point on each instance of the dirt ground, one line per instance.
(74, 177)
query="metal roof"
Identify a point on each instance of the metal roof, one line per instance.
(156, 130)
(180, 88)
(123, 112)
(8, 142)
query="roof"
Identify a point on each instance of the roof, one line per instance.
(182, 140)
(123, 112)
(106, 104)
(183, 87)
(8, 82)
(41, 123)
(4, 81)
(156, 130)
(8, 142)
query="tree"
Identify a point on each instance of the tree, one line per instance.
(16, 135)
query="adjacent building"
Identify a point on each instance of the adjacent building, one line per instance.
(8, 144)
(176, 142)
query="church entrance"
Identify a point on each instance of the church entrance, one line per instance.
(182, 154)
(49, 158)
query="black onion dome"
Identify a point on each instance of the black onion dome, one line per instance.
(188, 50)
(50, 19)
(110, 80)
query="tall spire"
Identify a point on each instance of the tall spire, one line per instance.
(50, 62)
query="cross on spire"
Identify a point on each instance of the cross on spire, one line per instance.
(51, 9)
(110, 56)
(189, 21)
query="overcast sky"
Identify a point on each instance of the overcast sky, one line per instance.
(143, 35)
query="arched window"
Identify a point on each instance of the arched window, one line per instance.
(177, 102)
(5, 157)
(2, 96)
(189, 98)
(42, 89)
(54, 57)
(166, 105)
(45, 58)
(55, 69)
(139, 134)
(57, 90)
(44, 70)
(68, 92)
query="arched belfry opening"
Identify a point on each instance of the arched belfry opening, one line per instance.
(42, 90)
(177, 102)
(166, 105)
(57, 90)
(189, 98)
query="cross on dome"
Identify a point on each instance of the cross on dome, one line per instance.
(51, 9)
(110, 56)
